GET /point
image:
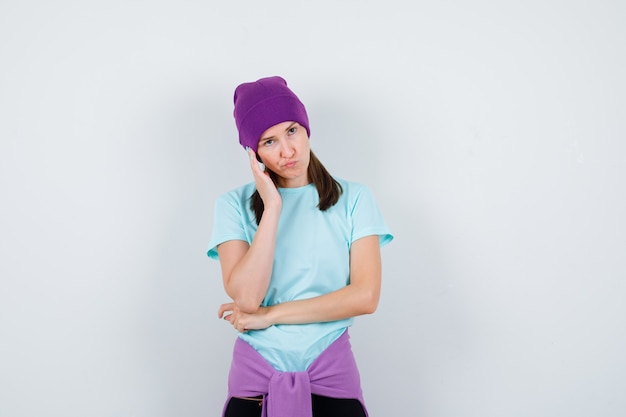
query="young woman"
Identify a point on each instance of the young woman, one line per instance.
(300, 256)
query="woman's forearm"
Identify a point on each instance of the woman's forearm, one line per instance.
(347, 302)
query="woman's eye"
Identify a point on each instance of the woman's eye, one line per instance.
(268, 142)
(292, 130)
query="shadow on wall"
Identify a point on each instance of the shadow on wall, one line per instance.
(346, 136)
(419, 328)
(189, 347)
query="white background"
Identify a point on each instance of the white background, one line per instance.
(492, 135)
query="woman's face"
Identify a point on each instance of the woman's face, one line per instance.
(284, 149)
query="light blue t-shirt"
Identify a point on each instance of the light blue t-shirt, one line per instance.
(311, 258)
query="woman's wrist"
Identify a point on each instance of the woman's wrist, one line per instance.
(273, 206)
(270, 315)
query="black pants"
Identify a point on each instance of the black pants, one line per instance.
(322, 407)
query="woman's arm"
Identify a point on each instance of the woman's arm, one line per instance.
(359, 297)
(246, 269)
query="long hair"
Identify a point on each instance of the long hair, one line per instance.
(328, 188)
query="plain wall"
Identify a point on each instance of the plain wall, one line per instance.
(491, 133)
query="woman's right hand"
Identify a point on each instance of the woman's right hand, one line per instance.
(264, 184)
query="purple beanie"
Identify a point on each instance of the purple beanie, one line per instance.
(262, 104)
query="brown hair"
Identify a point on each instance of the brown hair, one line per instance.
(328, 188)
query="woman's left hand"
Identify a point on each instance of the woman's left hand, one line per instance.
(243, 322)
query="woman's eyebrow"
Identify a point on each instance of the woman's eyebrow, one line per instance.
(272, 137)
(266, 138)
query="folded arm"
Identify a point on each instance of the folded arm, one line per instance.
(359, 297)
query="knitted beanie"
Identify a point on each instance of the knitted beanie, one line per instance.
(262, 104)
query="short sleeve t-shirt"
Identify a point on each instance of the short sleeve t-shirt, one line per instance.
(311, 258)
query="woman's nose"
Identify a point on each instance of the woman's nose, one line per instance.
(288, 151)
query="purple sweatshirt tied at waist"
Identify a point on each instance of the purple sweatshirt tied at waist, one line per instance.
(288, 394)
